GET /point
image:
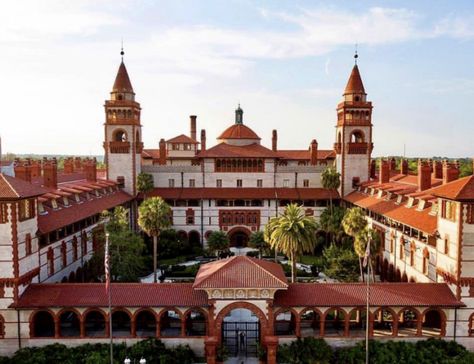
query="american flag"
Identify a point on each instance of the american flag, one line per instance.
(366, 254)
(106, 264)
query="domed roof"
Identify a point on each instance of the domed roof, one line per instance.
(239, 131)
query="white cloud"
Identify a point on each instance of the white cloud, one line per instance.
(455, 27)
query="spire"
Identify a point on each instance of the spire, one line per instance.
(122, 81)
(239, 115)
(354, 85)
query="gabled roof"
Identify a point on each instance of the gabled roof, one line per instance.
(240, 272)
(355, 294)
(237, 151)
(354, 85)
(239, 131)
(15, 188)
(304, 154)
(151, 153)
(461, 189)
(122, 81)
(182, 139)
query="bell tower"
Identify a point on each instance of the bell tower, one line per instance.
(123, 132)
(353, 145)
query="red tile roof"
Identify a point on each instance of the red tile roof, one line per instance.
(354, 294)
(420, 220)
(237, 151)
(122, 81)
(354, 84)
(245, 193)
(304, 154)
(239, 131)
(123, 294)
(12, 188)
(461, 189)
(182, 139)
(240, 272)
(55, 219)
(151, 153)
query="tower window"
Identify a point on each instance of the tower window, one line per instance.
(306, 183)
(120, 136)
(219, 183)
(119, 97)
(259, 183)
(171, 183)
(357, 98)
(192, 183)
(239, 183)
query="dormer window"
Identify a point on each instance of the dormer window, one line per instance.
(175, 146)
(65, 201)
(187, 146)
(97, 194)
(77, 198)
(421, 205)
(41, 209)
(54, 204)
(380, 194)
(410, 202)
(389, 196)
(434, 209)
(399, 199)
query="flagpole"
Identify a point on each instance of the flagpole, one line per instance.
(109, 294)
(367, 317)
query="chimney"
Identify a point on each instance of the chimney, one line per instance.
(90, 168)
(314, 152)
(69, 165)
(23, 170)
(203, 140)
(35, 168)
(403, 166)
(437, 169)
(450, 172)
(162, 152)
(50, 173)
(373, 168)
(424, 175)
(393, 164)
(192, 120)
(384, 173)
(274, 140)
(78, 164)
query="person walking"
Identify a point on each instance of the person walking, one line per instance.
(242, 340)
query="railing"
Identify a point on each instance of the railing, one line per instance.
(171, 169)
(119, 147)
(357, 148)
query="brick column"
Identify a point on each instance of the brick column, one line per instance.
(271, 342)
(57, 327)
(82, 328)
(210, 345)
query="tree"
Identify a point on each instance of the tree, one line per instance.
(218, 241)
(153, 217)
(145, 183)
(354, 223)
(257, 241)
(116, 221)
(292, 233)
(331, 180)
(330, 223)
(340, 263)
(360, 244)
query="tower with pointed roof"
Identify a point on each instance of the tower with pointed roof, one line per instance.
(123, 135)
(353, 145)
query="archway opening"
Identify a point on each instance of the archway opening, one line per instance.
(432, 323)
(196, 323)
(285, 323)
(94, 323)
(310, 323)
(170, 323)
(334, 322)
(194, 238)
(239, 238)
(69, 324)
(43, 324)
(241, 332)
(358, 322)
(121, 324)
(408, 323)
(383, 323)
(145, 324)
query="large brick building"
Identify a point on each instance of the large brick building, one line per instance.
(48, 217)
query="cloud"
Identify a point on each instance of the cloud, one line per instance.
(455, 27)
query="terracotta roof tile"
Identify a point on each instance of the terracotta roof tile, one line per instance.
(354, 294)
(240, 272)
(15, 188)
(354, 84)
(123, 294)
(421, 220)
(461, 189)
(237, 151)
(122, 81)
(239, 131)
(305, 154)
(151, 153)
(182, 139)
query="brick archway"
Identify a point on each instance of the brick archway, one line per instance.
(239, 236)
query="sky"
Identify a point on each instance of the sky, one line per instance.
(286, 62)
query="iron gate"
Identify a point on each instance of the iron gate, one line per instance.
(241, 338)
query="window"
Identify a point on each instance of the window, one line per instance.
(306, 183)
(239, 183)
(187, 146)
(446, 245)
(3, 213)
(54, 203)
(259, 183)
(448, 210)
(28, 249)
(392, 245)
(171, 183)
(426, 262)
(27, 209)
(402, 250)
(175, 146)
(286, 183)
(218, 183)
(192, 183)
(189, 217)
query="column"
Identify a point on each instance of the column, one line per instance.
(271, 343)
(210, 344)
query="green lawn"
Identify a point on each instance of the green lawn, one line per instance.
(172, 261)
(310, 259)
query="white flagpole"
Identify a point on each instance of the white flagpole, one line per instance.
(109, 294)
(367, 261)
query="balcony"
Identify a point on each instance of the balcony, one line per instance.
(357, 148)
(119, 147)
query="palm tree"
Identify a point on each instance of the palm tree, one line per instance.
(331, 180)
(145, 183)
(354, 224)
(153, 217)
(218, 241)
(257, 241)
(292, 233)
(360, 245)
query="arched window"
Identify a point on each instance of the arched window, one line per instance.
(285, 323)
(384, 322)
(196, 323)
(120, 136)
(94, 323)
(310, 323)
(121, 324)
(408, 322)
(432, 323)
(357, 322)
(357, 137)
(334, 322)
(43, 324)
(170, 323)
(145, 322)
(69, 324)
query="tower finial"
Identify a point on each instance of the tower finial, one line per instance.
(355, 55)
(121, 50)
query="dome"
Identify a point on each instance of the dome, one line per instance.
(238, 131)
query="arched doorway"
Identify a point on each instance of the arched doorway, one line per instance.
(194, 238)
(241, 332)
(239, 237)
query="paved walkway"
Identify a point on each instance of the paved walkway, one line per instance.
(241, 360)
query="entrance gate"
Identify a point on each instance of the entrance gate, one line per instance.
(241, 338)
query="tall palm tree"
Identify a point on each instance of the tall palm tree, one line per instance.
(331, 180)
(355, 225)
(153, 217)
(292, 233)
(144, 183)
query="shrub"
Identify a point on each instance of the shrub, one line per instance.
(305, 351)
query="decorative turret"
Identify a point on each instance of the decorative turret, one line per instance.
(239, 115)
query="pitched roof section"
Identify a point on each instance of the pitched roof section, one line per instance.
(123, 294)
(354, 85)
(182, 139)
(239, 131)
(304, 154)
(240, 272)
(122, 81)
(461, 189)
(355, 294)
(12, 188)
(237, 151)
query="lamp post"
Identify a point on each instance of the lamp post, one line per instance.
(142, 360)
(129, 361)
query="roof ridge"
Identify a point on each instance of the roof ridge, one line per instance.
(215, 262)
(254, 261)
(9, 185)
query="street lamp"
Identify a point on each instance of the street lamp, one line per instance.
(127, 360)
(142, 361)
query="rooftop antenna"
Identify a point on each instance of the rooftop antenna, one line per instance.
(121, 50)
(355, 55)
